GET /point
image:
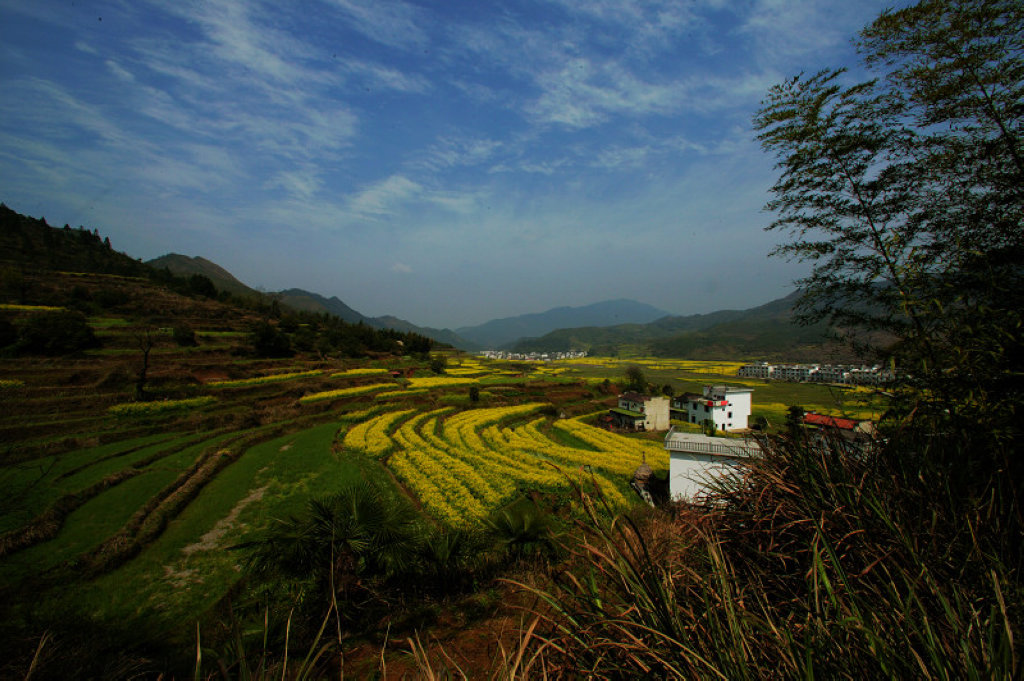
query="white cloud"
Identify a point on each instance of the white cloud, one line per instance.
(384, 197)
(582, 93)
(386, 78)
(397, 24)
(401, 268)
(302, 184)
(120, 72)
(456, 152)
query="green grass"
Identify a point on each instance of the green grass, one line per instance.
(103, 515)
(38, 483)
(173, 586)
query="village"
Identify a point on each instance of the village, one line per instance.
(697, 458)
(533, 356)
(843, 374)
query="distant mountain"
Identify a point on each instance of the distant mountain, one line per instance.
(440, 335)
(183, 265)
(501, 332)
(297, 299)
(763, 332)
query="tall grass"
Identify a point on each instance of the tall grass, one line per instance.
(811, 561)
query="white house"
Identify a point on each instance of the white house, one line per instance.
(641, 412)
(727, 407)
(757, 370)
(696, 460)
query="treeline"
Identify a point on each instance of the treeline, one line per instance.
(29, 246)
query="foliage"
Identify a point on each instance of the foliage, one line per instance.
(268, 341)
(635, 379)
(807, 564)
(438, 363)
(55, 333)
(523, 530)
(360, 530)
(906, 195)
(8, 333)
(184, 335)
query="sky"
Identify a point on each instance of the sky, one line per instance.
(446, 162)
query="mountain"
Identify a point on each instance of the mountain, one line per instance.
(183, 265)
(499, 332)
(763, 332)
(297, 299)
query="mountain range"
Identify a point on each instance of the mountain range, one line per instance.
(605, 328)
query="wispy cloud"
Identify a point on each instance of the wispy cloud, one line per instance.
(453, 151)
(390, 22)
(384, 197)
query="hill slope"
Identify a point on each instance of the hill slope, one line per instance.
(27, 242)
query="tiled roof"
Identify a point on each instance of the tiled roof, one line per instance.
(829, 421)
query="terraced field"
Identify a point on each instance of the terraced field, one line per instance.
(123, 510)
(462, 466)
(120, 510)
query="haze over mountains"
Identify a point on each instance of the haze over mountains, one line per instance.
(605, 327)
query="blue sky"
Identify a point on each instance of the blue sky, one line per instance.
(444, 162)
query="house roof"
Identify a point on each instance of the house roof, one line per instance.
(813, 419)
(634, 396)
(627, 412)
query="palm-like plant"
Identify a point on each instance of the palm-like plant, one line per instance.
(355, 536)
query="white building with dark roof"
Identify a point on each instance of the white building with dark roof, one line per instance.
(727, 407)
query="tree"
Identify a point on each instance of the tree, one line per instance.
(184, 335)
(268, 341)
(906, 195)
(145, 337)
(635, 379)
(794, 420)
(56, 333)
(438, 364)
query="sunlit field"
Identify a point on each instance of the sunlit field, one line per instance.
(151, 505)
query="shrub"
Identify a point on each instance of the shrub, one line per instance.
(184, 336)
(56, 333)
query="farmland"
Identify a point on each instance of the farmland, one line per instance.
(120, 510)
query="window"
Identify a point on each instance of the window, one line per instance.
(706, 408)
(730, 416)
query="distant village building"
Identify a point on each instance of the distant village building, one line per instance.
(818, 373)
(534, 356)
(695, 461)
(727, 407)
(640, 412)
